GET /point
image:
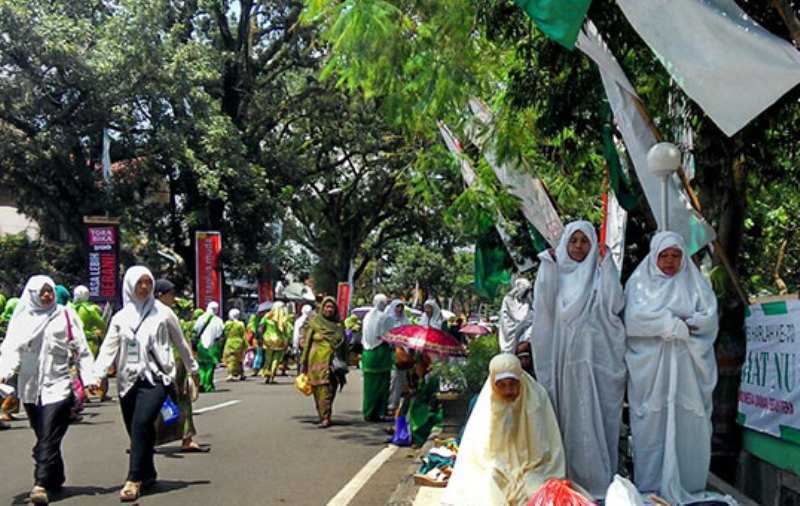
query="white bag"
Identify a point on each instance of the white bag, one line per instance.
(622, 492)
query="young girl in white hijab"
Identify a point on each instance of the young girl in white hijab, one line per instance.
(579, 346)
(511, 444)
(41, 338)
(138, 341)
(432, 315)
(671, 320)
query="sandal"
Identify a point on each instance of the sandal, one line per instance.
(39, 495)
(194, 448)
(130, 492)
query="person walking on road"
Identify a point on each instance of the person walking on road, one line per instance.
(324, 340)
(185, 386)
(235, 346)
(139, 339)
(277, 332)
(208, 331)
(42, 336)
(376, 361)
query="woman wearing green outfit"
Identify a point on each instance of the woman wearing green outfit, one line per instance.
(94, 326)
(424, 410)
(376, 361)
(208, 330)
(324, 339)
(277, 336)
(235, 346)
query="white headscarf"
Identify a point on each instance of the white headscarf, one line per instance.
(233, 314)
(80, 293)
(394, 320)
(575, 279)
(375, 323)
(509, 449)
(210, 324)
(435, 319)
(134, 310)
(298, 325)
(30, 317)
(516, 315)
(654, 299)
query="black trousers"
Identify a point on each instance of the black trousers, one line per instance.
(140, 407)
(50, 423)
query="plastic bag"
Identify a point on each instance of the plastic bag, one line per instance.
(170, 411)
(402, 432)
(302, 385)
(622, 492)
(558, 493)
(249, 358)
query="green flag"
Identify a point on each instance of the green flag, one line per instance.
(493, 264)
(561, 20)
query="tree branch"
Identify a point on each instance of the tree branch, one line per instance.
(784, 8)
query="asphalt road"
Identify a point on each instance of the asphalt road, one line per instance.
(265, 450)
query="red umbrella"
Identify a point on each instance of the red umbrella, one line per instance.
(474, 330)
(425, 339)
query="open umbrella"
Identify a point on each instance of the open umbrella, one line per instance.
(474, 330)
(425, 339)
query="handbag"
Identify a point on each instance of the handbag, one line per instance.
(77, 384)
(258, 361)
(302, 384)
(249, 358)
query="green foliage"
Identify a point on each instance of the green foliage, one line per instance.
(21, 258)
(481, 351)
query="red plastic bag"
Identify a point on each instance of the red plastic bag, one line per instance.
(558, 493)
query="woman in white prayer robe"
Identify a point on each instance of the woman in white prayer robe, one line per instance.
(511, 445)
(578, 345)
(516, 315)
(671, 320)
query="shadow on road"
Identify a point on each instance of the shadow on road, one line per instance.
(163, 486)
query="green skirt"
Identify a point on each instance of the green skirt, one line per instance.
(206, 359)
(376, 365)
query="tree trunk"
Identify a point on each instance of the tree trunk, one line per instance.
(784, 8)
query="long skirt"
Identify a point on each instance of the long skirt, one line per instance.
(323, 398)
(206, 359)
(399, 383)
(376, 365)
(233, 360)
(272, 359)
(184, 400)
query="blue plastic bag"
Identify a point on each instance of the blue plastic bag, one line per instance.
(258, 362)
(402, 432)
(170, 412)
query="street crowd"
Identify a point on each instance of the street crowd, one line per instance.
(572, 345)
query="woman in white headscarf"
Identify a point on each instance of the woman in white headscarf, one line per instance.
(578, 349)
(299, 325)
(432, 315)
(396, 315)
(41, 338)
(516, 315)
(511, 444)
(138, 342)
(208, 330)
(376, 361)
(671, 320)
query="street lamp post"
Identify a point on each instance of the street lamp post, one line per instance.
(663, 160)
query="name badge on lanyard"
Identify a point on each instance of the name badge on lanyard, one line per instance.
(132, 351)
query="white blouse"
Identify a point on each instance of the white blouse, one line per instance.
(146, 355)
(43, 364)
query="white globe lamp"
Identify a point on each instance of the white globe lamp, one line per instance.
(663, 160)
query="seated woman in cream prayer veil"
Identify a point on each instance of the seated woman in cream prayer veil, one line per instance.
(511, 444)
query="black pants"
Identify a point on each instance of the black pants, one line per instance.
(140, 408)
(50, 423)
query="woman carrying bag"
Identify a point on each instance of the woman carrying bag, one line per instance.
(41, 338)
(138, 341)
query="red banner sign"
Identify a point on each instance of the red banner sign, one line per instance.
(208, 275)
(103, 265)
(343, 299)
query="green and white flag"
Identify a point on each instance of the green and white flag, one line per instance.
(639, 138)
(561, 20)
(521, 262)
(726, 62)
(535, 203)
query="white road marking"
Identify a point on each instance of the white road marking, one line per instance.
(214, 407)
(350, 490)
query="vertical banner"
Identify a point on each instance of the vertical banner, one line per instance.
(102, 238)
(208, 276)
(343, 299)
(266, 292)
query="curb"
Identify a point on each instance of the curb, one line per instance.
(406, 491)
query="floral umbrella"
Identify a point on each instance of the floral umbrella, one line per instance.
(425, 339)
(474, 330)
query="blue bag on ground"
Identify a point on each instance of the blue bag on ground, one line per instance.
(402, 432)
(170, 411)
